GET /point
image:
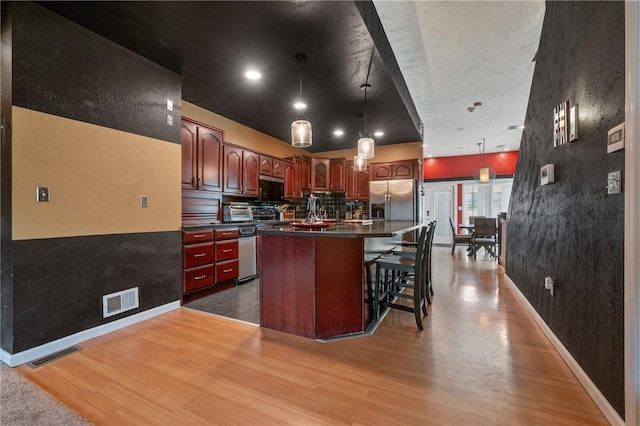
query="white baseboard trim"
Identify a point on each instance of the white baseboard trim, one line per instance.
(14, 360)
(612, 415)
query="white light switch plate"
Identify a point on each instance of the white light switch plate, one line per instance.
(614, 184)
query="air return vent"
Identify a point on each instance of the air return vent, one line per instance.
(121, 301)
(52, 357)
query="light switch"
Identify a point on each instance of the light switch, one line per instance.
(169, 120)
(42, 194)
(614, 184)
(169, 105)
(144, 201)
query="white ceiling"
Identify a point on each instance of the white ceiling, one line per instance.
(455, 53)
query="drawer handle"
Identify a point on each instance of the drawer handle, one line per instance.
(227, 270)
(199, 235)
(199, 254)
(227, 250)
(227, 233)
(200, 277)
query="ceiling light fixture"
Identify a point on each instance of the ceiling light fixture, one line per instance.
(338, 132)
(253, 75)
(366, 144)
(483, 174)
(301, 128)
(378, 134)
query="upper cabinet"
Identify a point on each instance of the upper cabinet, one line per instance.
(297, 177)
(201, 148)
(337, 174)
(320, 174)
(241, 170)
(272, 167)
(305, 173)
(395, 170)
(356, 183)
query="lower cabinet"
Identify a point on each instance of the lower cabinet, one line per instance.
(210, 260)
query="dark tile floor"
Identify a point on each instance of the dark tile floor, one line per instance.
(241, 302)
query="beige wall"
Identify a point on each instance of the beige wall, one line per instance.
(383, 153)
(95, 177)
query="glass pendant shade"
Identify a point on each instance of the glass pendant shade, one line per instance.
(484, 175)
(366, 147)
(301, 133)
(359, 164)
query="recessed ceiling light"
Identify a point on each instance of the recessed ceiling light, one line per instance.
(522, 127)
(338, 132)
(430, 156)
(378, 134)
(253, 75)
(424, 145)
(505, 149)
(299, 105)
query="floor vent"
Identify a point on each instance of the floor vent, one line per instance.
(53, 356)
(121, 301)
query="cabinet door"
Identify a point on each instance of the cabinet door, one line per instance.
(250, 167)
(402, 170)
(232, 157)
(209, 150)
(278, 168)
(349, 181)
(305, 173)
(362, 185)
(266, 166)
(337, 177)
(320, 177)
(381, 171)
(188, 139)
(289, 181)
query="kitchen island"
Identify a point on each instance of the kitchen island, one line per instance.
(312, 282)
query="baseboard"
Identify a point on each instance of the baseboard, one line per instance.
(14, 360)
(612, 415)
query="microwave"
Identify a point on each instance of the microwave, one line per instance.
(271, 189)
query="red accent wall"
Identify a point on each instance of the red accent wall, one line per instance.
(463, 166)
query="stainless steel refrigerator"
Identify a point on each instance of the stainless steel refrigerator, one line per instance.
(393, 200)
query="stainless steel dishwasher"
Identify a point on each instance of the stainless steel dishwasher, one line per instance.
(247, 268)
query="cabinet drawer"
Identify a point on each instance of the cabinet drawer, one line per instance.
(198, 254)
(197, 278)
(226, 234)
(226, 271)
(226, 249)
(194, 237)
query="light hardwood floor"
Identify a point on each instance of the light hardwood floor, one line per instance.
(481, 360)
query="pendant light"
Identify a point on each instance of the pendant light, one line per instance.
(359, 164)
(483, 174)
(365, 143)
(301, 127)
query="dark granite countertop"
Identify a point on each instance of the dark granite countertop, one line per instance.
(379, 228)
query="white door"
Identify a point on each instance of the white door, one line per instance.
(439, 207)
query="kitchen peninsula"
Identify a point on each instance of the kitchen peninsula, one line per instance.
(312, 282)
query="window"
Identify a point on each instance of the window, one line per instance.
(485, 200)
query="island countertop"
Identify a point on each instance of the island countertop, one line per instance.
(379, 228)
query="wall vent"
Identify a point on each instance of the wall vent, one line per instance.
(52, 357)
(121, 301)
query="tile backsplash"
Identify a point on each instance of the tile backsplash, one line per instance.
(334, 203)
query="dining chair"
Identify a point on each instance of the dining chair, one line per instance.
(484, 236)
(458, 238)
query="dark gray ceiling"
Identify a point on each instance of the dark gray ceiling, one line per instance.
(211, 44)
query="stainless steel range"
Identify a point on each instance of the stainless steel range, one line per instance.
(242, 214)
(264, 212)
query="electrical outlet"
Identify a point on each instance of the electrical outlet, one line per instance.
(613, 183)
(169, 120)
(549, 284)
(144, 201)
(42, 194)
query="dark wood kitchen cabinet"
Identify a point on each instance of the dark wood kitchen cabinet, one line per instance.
(226, 250)
(201, 148)
(291, 180)
(396, 170)
(198, 260)
(305, 173)
(356, 183)
(240, 171)
(320, 174)
(337, 174)
(271, 167)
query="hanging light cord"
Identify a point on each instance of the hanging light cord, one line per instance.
(366, 86)
(300, 82)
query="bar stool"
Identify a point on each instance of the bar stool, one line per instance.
(409, 250)
(395, 274)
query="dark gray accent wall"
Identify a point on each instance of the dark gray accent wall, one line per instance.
(59, 282)
(572, 230)
(6, 225)
(63, 69)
